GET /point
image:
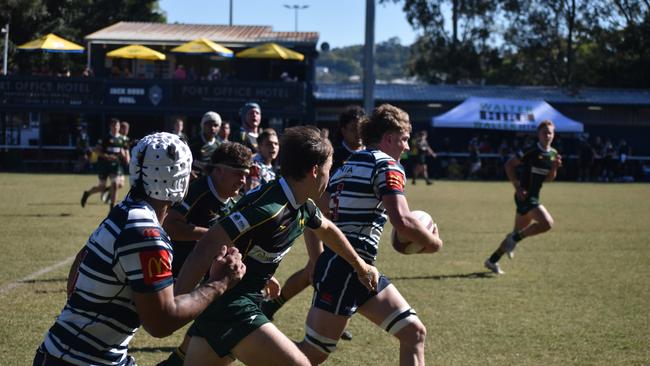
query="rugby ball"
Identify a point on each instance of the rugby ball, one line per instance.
(405, 246)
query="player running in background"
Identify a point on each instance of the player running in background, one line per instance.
(422, 151)
(111, 151)
(539, 164)
(349, 123)
(122, 277)
(264, 225)
(364, 193)
(209, 198)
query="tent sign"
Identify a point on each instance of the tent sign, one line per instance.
(504, 114)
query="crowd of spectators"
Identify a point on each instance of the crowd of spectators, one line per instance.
(484, 156)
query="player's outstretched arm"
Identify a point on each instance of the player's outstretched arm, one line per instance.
(161, 313)
(408, 226)
(200, 259)
(335, 240)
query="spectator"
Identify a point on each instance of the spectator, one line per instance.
(251, 117)
(586, 155)
(224, 132)
(624, 152)
(88, 72)
(206, 143)
(180, 73)
(474, 160)
(325, 133)
(179, 125)
(82, 149)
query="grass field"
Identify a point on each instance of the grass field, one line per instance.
(579, 295)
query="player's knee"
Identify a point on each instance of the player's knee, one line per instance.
(413, 334)
(406, 326)
(317, 347)
(548, 224)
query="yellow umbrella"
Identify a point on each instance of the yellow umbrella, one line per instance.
(203, 46)
(272, 51)
(136, 51)
(52, 43)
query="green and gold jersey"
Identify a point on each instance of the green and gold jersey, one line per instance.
(263, 225)
(536, 164)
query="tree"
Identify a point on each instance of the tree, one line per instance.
(71, 19)
(456, 54)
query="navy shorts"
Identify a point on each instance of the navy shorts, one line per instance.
(337, 289)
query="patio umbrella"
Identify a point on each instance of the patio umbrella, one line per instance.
(136, 51)
(271, 51)
(203, 46)
(52, 43)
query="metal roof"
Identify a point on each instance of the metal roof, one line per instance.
(458, 93)
(175, 34)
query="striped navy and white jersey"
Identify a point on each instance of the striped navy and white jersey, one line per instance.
(356, 190)
(129, 252)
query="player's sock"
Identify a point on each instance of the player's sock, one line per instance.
(517, 235)
(494, 258)
(176, 358)
(270, 307)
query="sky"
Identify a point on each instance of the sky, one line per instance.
(339, 22)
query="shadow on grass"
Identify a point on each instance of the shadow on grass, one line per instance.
(62, 214)
(473, 275)
(151, 349)
(46, 280)
(56, 204)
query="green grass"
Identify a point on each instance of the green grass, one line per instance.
(578, 295)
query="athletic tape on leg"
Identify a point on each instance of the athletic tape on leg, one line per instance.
(322, 343)
(399, 319)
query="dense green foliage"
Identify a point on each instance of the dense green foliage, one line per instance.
(342, 63)
(568, 43)
(577, 295)
(70, 19)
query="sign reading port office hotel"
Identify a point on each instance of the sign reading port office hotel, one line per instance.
(49, 93)
(505, 114)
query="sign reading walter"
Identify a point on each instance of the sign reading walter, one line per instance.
(505, 114)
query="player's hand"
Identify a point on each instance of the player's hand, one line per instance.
(557, 162)
(227, 267)
(272, 288)
(521, 193)
(369, 277)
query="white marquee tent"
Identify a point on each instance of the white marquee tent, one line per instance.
(505, 114)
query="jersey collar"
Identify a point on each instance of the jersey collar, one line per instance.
(287, 192)
(213, 189)
(542, 148)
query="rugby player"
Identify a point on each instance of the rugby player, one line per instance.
(263, 226)
(349, 122)
(362, 195)
(111, 152)
(209, 198)
(539, 164)
(122, 277)
(251, 117)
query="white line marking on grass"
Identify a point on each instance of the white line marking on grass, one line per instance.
(34, 275)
